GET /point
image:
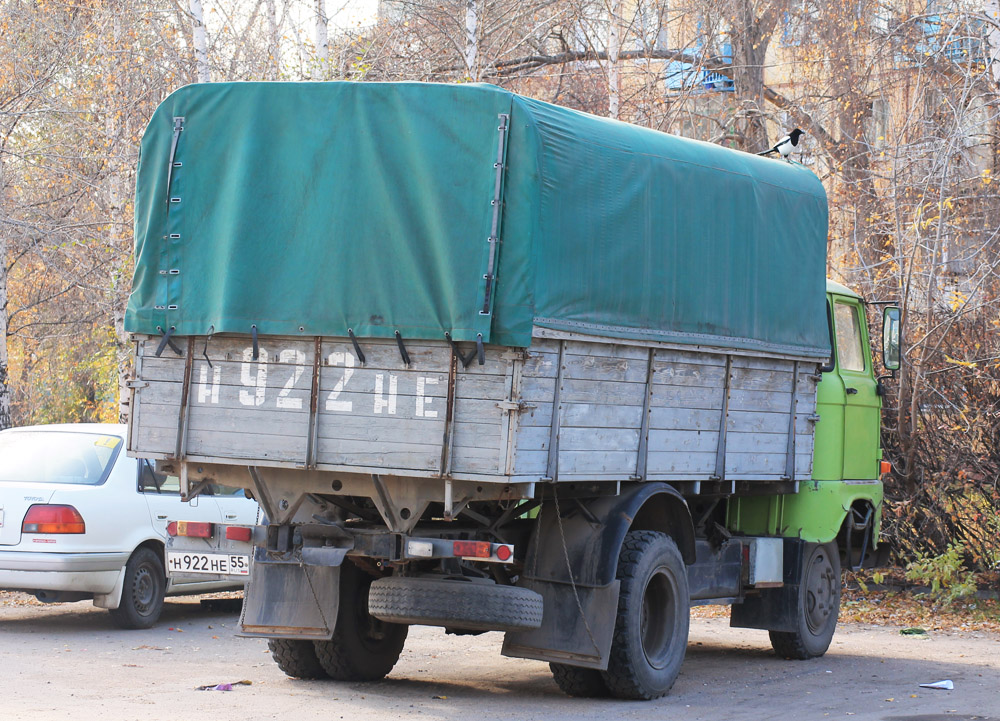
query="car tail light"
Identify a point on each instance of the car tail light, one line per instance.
(472, 549)
(53, 519)
(189, 529)
(238, 533)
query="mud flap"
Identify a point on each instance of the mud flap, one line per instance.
(571, 633)
(285, 600)
(774, 609)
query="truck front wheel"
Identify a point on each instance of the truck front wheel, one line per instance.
(363, 648)
(651, 630)
(818, 605)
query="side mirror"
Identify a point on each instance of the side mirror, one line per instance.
(891, 322)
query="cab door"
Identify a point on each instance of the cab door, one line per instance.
(862, 403)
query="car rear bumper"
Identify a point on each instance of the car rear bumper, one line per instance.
(84, 572)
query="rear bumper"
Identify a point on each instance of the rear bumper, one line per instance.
(84, 572)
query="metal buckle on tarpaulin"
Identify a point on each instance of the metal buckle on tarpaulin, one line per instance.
(497, 203)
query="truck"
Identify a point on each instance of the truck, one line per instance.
(491, 364)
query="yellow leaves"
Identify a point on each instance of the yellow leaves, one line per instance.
(964, 364)
(986, 177)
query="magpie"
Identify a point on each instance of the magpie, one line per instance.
(786, 145)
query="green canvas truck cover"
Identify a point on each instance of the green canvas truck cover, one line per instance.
(317, 208)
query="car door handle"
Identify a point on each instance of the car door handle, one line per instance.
(851, 391)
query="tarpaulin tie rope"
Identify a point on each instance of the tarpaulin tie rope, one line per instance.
(256, 347)
(402, 350)
(165, 341)
(204, 351)
(466, 359)
(357, 347)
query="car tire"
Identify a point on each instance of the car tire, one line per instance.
(454, 603)
(296, 658)
(142, 591)
(579, 682)
(651, 629)
(817, 608)
(363, 648)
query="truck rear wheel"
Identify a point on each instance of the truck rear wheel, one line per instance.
(363, 648)
(296, 658)
(579, 682)
(818, 605)
(651, 630)
(454, 603)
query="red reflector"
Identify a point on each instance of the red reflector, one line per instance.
(172, 528)
(504, 553)
(195, 530)
(53, 519)
(474, 549)
(238, 533)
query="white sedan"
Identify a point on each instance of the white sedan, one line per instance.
(80, 519)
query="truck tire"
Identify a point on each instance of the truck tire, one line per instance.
(363, 648)
(818, 605)
(579, 682)
(651, 630)
(467, 605)
(142, 591)
(296, 658)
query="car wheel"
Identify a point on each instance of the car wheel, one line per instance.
(651, 630)
(818, 605)
(142, 592)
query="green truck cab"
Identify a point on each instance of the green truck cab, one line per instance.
(845, 492)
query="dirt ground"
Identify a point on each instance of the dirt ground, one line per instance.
(68, 661)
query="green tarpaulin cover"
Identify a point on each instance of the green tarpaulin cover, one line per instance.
(314, 208)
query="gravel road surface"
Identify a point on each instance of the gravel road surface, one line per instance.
(68, 661)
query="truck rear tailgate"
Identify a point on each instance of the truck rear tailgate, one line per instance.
(315, 403)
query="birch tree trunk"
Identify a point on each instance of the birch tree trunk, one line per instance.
(614, 48)
(5, 421)
(274, 40)
(992, 11)
(200, 41)
(322, 38)
(472, 40)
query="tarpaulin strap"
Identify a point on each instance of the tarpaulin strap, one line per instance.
(253, 338)
(402, 349)
(480, 351)
(165, 341)
(466, 359)
(178, 127)
(204, 351)
(357, 348)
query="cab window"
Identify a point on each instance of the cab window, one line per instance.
(849, 348)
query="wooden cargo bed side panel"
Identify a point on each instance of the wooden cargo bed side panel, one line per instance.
(601, 392)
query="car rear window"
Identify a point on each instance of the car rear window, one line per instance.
(57, 457)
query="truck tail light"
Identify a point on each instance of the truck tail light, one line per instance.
(190, 529)
(884, 467)
(472, 549)
(53, 519)
(238, 533)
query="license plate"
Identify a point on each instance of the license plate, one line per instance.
(225, 564)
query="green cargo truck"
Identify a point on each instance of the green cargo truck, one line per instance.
(492, 364)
